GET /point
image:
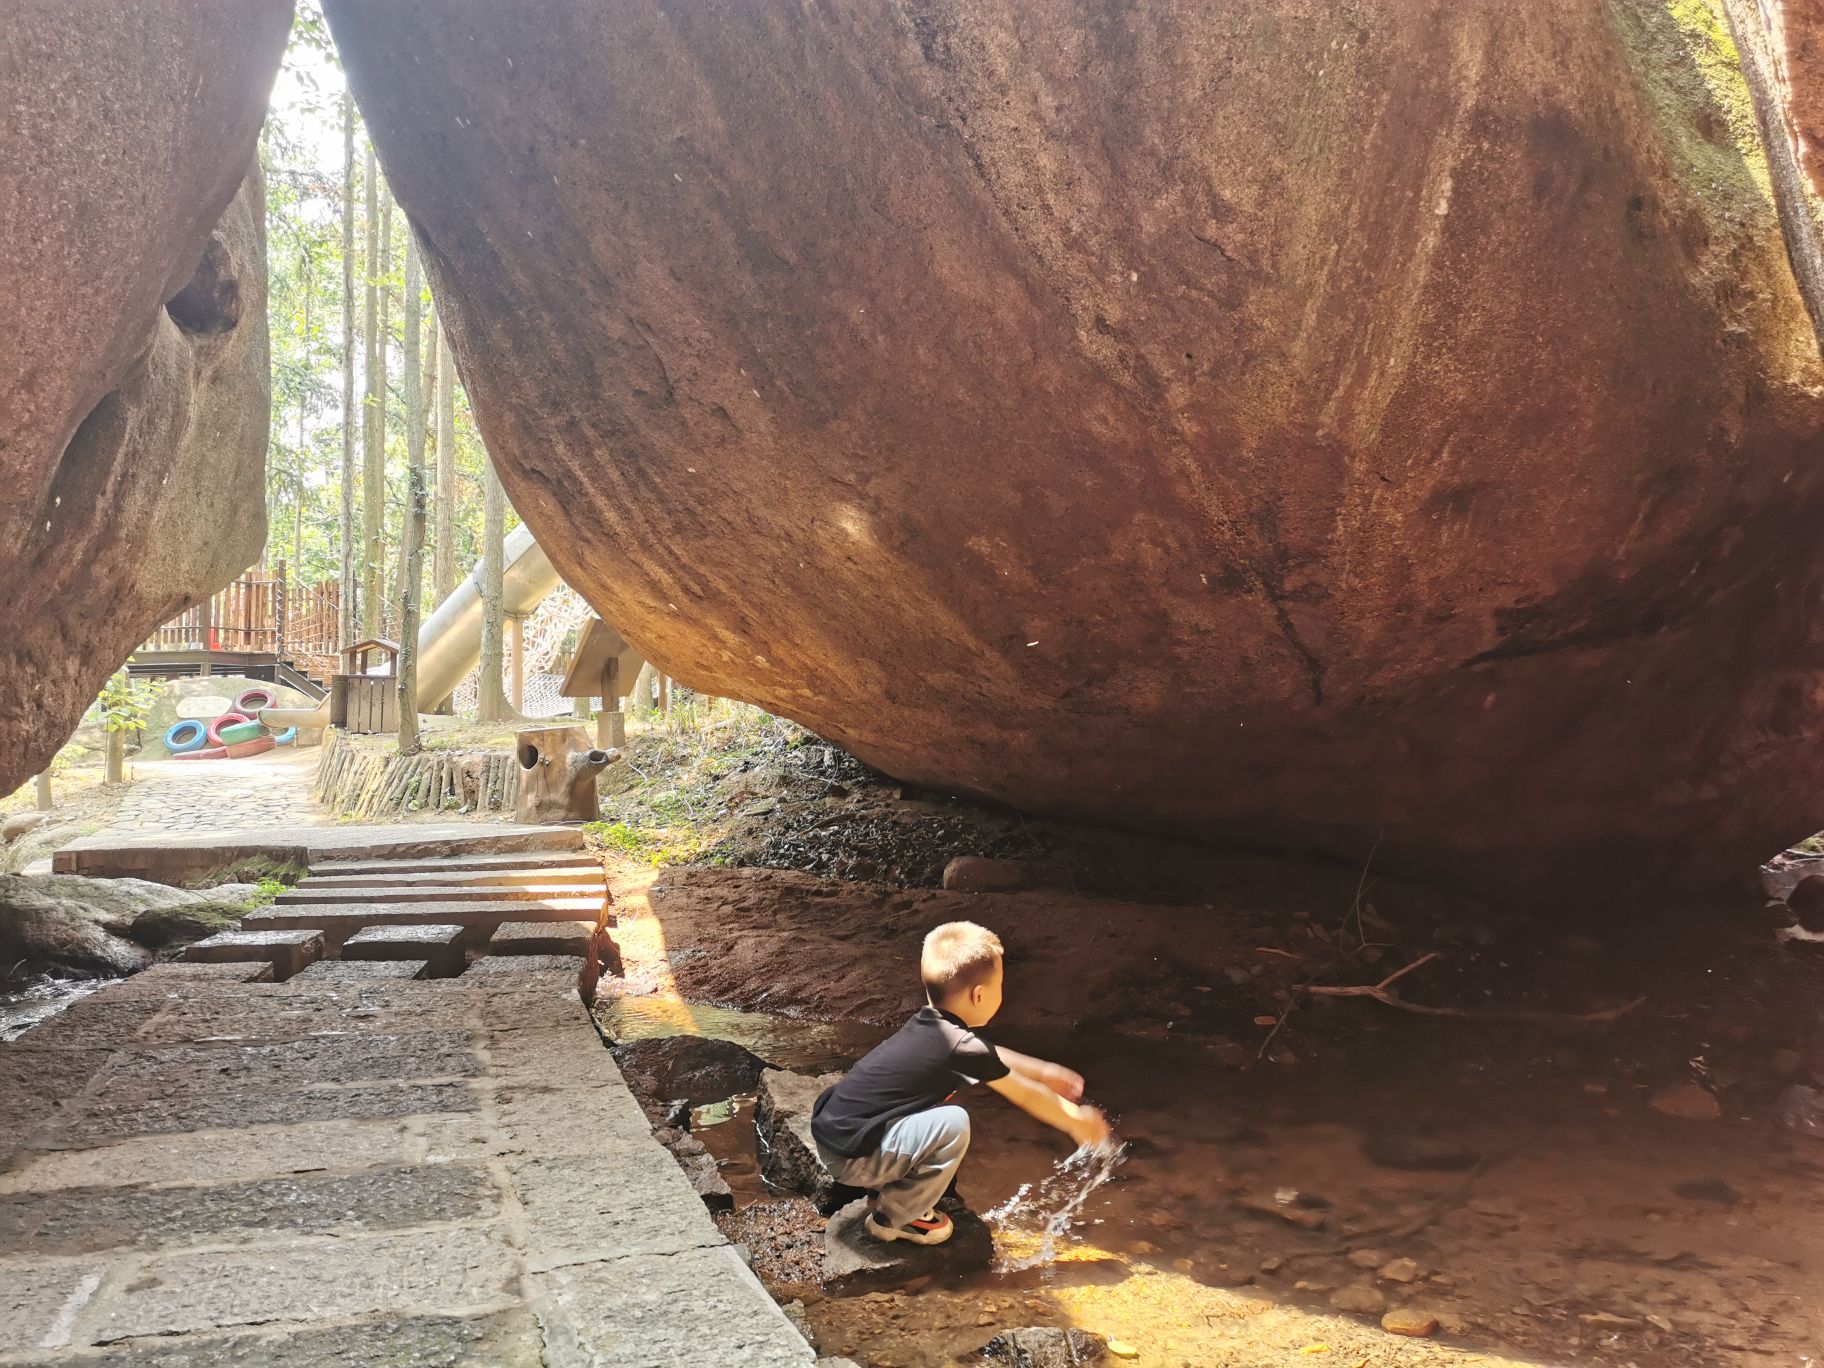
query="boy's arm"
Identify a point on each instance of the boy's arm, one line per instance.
(1066, 1083)
(1082, 1123)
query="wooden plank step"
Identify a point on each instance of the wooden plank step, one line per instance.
(520, 859)
(308, 892)
(589, 874)
(438, 944)
(337, 920)
(286, 949)
(541, 938)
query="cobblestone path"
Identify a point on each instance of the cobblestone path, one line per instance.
(193, 797)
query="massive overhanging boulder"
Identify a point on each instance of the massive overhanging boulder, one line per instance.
(1385, 426)
(134, 391)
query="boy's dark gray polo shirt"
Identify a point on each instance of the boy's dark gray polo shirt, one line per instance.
(920, 1066)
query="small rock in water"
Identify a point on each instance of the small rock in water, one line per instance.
(1801, 1110)
(1368, 1258)
(1687, 1102)
(1419, 1152)
(1290, 1211)
(1708, 1190)
(1406, 1320)
(1044, 1347)
(1402, 1271)
(1122, 1349)
(1360, 1298)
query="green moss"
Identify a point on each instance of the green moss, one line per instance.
(256, 869)
(1691, 73)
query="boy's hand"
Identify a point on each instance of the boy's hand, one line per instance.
(1090, 1127)
(1066, 1083)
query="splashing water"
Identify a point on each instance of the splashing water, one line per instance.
(1028, 1225)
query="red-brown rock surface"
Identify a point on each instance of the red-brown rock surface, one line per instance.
(133, 372)
(1296, 420)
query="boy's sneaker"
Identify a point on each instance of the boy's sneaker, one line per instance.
(933, 1228)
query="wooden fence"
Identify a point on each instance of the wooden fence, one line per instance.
(258, 612)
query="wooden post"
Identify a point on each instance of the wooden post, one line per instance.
(279, 612)
(665, 694)
(611, 722)
(45, 804)
(516, 630)
(205, 621)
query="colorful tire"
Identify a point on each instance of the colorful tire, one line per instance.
(286, 737)
(227, 719)
(185, 736)
(252, 700)
(239, 732)
(207, 753)
(253, 747)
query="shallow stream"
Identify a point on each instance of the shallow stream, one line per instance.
(1269, 1216)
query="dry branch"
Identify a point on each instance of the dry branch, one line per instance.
(1383, 992)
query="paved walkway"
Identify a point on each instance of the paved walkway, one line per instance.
(189, 797)
(196, 1171)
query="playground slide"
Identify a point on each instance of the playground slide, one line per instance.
(449, 643)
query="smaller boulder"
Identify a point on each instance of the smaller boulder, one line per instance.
(1359, 1298)
(1409, 1321)
(695, 1069)
(1801, 1110)
(1687, 1102)
(854, 1261)
(21, 823)
(978, 874)
(782, 1131)
(1044, 1346)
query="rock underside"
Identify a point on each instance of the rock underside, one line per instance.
(1320, 426)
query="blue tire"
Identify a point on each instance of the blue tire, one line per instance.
(286, 737)
(185, 736)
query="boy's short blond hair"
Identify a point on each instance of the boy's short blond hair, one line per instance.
(957, 955)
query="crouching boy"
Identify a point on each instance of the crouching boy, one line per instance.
(890, 1126)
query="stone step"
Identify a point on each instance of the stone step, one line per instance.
(437, 944)
(446, 877)
(515, 860)
(341, 973)
(339, 920)
(308, 892)
(541, 938)
(434, 842)
(286, 949)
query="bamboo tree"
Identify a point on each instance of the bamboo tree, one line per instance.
(444, 571)
(345, 614)
(412, 538)
(492, 703)
(373, 466)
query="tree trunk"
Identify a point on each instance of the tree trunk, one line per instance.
(345, 613)
(640, 700)
(389, 624)
(412, 535)
(445, 570)
(115, 772)
(492, 702)
(45, 801)
(373, 464)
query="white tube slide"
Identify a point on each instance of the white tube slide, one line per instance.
(449, 643)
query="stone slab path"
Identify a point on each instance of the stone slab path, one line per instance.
(196, 1170)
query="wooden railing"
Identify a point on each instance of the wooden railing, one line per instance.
(257, 612)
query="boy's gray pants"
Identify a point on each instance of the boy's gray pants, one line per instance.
(917, 1157)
